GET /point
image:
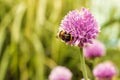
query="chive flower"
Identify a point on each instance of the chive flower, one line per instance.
(81, 25)
(105, 71)
(60, 73)
(97, 49)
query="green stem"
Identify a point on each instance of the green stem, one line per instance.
(82, 59)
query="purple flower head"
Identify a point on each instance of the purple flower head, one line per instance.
(81, 25)
(60, 73)
(105, 71)
(97, 49)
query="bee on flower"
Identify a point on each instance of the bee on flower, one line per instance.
(78, 28)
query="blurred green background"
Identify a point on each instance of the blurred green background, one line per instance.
(29, 48)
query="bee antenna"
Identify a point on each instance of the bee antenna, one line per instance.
(71, 31)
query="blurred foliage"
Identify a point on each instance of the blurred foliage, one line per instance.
(28, 45)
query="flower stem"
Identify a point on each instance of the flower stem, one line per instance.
(82, 59)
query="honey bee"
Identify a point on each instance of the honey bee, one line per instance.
(66, 37)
